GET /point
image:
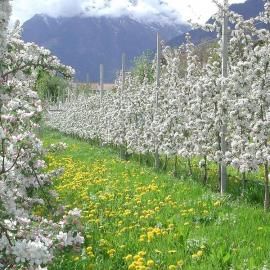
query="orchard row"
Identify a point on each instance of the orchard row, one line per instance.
(193, 109)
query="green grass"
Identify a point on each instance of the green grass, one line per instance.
(129, 208)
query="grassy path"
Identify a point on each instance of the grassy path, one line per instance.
(135, 218)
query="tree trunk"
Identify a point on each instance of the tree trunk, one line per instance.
(266, 186)
(189, 167)
(244, 184)
(165, 165)
(205, 179)
(123, 152)
(175, 166)
(157, 160)
(147, 162)
(140, 158)
(100, 143)
(219, 176)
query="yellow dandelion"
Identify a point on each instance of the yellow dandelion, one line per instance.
(142, 253)
(217, 203)
(128, 257)
(111, 252)
(150, 263)
(180, 263)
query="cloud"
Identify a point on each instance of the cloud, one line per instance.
(25, 9)
(153, 10)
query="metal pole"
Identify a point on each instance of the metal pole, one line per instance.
(224, 180)
(158, 64)
(101, 84)
(122, 147)
(123, 73)
(101, 89)
(157, 160)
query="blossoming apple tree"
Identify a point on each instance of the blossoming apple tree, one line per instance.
(28, 240)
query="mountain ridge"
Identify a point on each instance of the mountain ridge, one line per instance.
(87, 42)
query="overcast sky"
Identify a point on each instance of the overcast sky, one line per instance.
(181, 10)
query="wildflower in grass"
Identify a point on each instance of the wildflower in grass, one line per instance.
(142, 238)
(150, 263)
(90, 266)
(128, 257)
(180, 263)
(132, 267)
(89, 252)
(194, 256)
(172, 267)
(111, 252)
(142, 253)
(137, 257)
(197, 255)
(217, 203)
(205, 212)
(102, 242)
